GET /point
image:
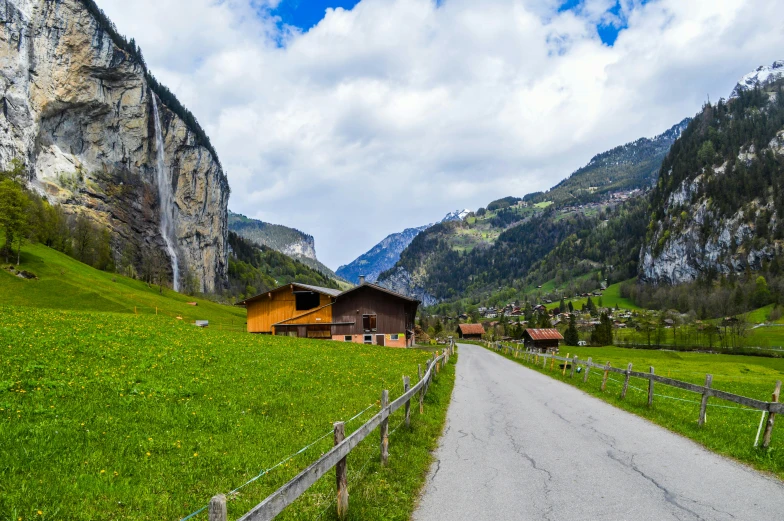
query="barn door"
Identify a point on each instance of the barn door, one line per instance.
(380, 340)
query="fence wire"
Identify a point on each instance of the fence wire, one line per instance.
(282, 462)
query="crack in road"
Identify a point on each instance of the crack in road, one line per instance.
(669, 496)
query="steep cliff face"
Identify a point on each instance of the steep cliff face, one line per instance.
(719, 204)
(77, 109)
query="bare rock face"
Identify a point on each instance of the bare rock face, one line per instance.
(401, 281)
(77, 109)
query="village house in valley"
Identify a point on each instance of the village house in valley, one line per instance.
(471, 331)
(542, 340)
(365, 314)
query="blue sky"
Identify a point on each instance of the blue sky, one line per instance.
(305, 14)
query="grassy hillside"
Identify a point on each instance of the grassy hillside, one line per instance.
(729, 429)
(65, 283)
(118, 416)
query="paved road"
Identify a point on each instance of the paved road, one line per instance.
(519, 445)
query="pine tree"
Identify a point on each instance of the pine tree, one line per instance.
(602, 332)
(571, 337)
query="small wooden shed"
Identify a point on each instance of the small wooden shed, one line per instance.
(471, 331)
(542, 340)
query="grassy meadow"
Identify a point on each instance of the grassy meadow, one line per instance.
(611, 297)
(729, 430)
(123, 416)
(65, 283)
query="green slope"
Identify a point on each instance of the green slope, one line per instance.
(65, 283)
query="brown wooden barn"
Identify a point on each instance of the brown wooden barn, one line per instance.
(470, 331)
(366, 314)
(542, 340)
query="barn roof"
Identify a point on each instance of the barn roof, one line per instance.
(327, 291)
(382, 289)
(307, 287)
(544, 334)
(472, 329)
(318, 289)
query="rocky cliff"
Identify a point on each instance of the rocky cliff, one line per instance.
(719, 203)
(78, 109)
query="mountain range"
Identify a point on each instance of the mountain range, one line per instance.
(698, 201)
(501, 244)
(99, 138)
(386, 253)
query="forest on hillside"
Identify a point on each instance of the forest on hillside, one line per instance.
(255, 269)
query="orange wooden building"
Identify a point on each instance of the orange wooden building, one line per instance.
(367, 313)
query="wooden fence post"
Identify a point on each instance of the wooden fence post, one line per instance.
(536, 359)
(217, 508)
(566, 362)
(406, 387)
(552, 361)
(435, 369)
(341, 478)
(771, 418)
(704, 403)
(606, 374)
(384, 428)
(650, 388)
(587, 368)
(626, 381)
(544, 361)
(421, 390)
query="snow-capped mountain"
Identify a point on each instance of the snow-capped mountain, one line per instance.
(457, 215)
(760, 77)
(386, 253)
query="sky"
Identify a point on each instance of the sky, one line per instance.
(353, 120)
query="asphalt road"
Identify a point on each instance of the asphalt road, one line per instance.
(519, 445)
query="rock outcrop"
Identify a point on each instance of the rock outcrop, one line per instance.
(717, 207)
(400, 281)
(77, 109)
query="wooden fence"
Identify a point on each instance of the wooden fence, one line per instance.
(336, 457)
(772, 408)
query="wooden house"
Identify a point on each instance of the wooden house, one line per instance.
(471, 331)
(367, 313)
(542, 340)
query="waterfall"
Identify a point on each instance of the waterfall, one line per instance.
(165, 196)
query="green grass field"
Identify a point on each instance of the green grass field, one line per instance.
(118, 416)
(729, 430)
(611, 297)
(65, 283)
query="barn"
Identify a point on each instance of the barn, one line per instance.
(542, 340)
(367, 314)
(470, 331)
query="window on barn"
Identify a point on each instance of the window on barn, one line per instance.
(394, 337)
(369, 322)
(368, 339)
(307, 300)
(348, 338)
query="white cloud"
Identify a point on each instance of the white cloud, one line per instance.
(391, 114)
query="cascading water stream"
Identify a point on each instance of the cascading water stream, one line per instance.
(167, 202)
